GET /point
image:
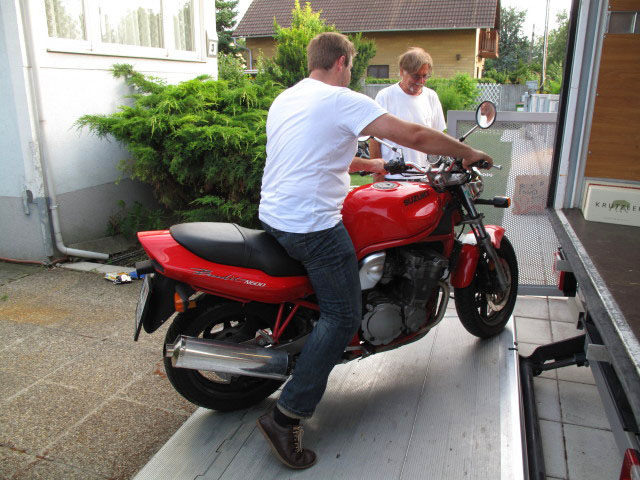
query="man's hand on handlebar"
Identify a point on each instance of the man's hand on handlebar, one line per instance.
(481, 159)
(373, 165)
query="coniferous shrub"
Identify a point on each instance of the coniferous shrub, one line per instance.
(200, 144)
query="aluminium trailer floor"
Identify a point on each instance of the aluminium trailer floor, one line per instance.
(446, 406)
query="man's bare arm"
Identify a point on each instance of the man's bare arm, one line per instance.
(373, 165)
(424, 139)
(374, 149)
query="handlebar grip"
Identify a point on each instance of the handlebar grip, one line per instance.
(482, 164)
(396, 166)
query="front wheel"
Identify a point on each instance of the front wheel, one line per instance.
(482, 311)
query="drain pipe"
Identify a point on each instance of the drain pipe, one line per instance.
(35, 102)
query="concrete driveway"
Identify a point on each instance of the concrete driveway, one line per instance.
(78, 398)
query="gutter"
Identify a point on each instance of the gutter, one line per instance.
(34, 100)
(391, 30)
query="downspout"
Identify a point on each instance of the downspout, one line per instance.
(235, 44)
(35, 102)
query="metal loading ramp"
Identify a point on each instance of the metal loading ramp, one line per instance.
(444, 407)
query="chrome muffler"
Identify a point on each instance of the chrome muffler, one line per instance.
(232, 358)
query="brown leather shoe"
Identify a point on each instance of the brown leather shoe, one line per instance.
(286, 443)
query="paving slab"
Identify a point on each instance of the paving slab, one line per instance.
(10, 272)
(553, 451)
(103, 442)
(564, 330)
(547, 399)
(591, 453)
(36, 417)
(533, 330)
(96, 268)
(576, 374)
(73, 382)
(560, 311)
(532, 307)
(581, 405)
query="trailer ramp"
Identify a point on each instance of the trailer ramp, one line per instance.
(446, 406)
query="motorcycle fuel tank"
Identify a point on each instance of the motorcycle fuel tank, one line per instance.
(388, 214)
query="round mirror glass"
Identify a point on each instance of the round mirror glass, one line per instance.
(486, 114)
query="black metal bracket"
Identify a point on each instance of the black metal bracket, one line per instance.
(546, 357)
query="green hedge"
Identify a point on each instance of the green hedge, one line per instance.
(200, 144)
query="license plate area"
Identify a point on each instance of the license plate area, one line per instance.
(142, 310)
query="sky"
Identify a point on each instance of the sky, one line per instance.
(535, 12)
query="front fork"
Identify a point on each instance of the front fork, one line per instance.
(482, 237)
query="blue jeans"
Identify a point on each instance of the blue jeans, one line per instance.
(332, 266)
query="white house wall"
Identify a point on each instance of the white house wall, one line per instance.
(67, 85)
(24, 231)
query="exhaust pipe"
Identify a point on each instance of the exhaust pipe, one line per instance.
(235, 359)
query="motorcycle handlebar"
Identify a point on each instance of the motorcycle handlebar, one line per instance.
(396, 166)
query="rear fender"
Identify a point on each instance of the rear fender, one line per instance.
(470, 253)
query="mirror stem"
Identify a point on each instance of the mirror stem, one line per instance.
(463, 137)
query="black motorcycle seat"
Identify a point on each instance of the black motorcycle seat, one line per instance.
(231, 244)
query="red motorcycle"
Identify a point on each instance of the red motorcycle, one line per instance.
(245, 307)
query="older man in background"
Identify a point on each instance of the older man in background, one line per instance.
(410, 100)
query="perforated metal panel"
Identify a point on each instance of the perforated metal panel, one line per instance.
(525, 151)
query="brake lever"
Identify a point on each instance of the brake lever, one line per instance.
(485, 165)
(477, 171)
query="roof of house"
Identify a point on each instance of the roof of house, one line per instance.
(374, 15)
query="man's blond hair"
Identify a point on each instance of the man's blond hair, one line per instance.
(326, 48)
(413, 59)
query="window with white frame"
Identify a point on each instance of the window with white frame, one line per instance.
(165, 28)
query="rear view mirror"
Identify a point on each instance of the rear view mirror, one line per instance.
(486, 114)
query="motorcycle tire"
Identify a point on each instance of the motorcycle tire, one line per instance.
(483, 314)
(224, 321)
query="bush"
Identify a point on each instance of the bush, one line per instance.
(137, 218)
(200, 144)
(467, 88)
(457, 93)
(375, 81)
(450, 99)
(231, 68)
(494, 76)
(553, 82)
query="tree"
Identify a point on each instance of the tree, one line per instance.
(225, 21)
(289, 65)
(513, 45)
(558, 38)
(366, 51)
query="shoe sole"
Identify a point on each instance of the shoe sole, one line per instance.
(277, 454)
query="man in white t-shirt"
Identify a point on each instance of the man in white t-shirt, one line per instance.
(410, 100)
(312, 137)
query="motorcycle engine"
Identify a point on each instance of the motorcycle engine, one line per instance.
(398, 304)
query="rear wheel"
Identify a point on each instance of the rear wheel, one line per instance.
(482, 311)
(226, 322)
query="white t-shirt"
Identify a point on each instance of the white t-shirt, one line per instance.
(312, 137)
(424, 109)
